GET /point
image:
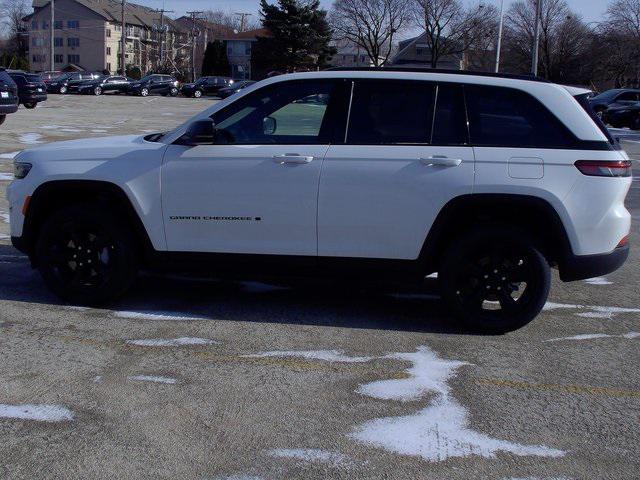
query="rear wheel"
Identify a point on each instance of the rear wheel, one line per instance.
(144, 92)
(635, 122)
(30, 105)
(97, 91)
(63, 90)
(495, 280)
(174, 92)
(85, 255)
(197, 94)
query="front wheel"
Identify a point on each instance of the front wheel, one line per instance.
(85, 255)
(63, 90)
(174, 92)
(144, 92)
(197, 94)
(495, 280)
(97, 91)
(30, 105)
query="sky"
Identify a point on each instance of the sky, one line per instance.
(591, 10)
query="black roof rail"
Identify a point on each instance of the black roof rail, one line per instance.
(439, 70)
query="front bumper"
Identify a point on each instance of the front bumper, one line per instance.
(580, 267)
(6, 109)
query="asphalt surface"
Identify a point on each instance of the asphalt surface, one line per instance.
(187, 378)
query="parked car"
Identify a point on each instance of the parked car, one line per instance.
(482, 178)
(106, 84)
(47, 77)
(73, 86)
(205, 86)
(619, 116)
(31, 88)
(61, 83)
(8, 95)
(235, 88)
(614, 97)
(154, 85)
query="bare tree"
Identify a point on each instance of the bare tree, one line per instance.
(450, 28)
(621, 32)
(370, 24)
(230, 20)
(11, 14)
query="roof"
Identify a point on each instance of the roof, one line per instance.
(250, 34)
(111, 11)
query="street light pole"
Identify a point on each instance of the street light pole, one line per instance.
(499, 45)
(536, 39)
(123, 41)
(53, 18)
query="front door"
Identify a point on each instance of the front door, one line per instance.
(400, 163)
(255, 189)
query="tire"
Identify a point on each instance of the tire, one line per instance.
(144, 92)
(63, 90)
(85, 255)
(197, 94)
(635, 122)
(2, 119)
(494, 279)
(97, 91)
(30, 105)
(173, 92)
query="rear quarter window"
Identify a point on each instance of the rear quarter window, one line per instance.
(506, 117)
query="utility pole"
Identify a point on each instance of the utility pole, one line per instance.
(242, 16)
(536, 39)
(53, 19)
(194, 15)
(162, 11)
(499, 45)
(123, 41)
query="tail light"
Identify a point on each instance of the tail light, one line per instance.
(624, 242)
(604, 168)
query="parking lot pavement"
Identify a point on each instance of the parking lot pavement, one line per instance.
(188, 378)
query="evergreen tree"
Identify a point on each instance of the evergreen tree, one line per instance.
(300, 36)
(215, 61)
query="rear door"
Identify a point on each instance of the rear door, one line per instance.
(404, 156)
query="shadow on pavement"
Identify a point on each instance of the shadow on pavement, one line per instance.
(311, 303)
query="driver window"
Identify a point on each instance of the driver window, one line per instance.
(284, 113)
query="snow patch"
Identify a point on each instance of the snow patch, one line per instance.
(309, 455)
(51, 127)
(4, 237)
(9, 156)
(5, 217)
(6, 176)
(439, 431)
(598, 281)
(30, 138)
(42, 413)
(592, 336)
(172, 342)
(592, 311)
(156, 315)
(325, 355)
(153, 378)
(71, 130)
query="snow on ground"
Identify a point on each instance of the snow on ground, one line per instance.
(156, 315)
(592, 336)
(309, 455)
(6, 176)
(326, 355)
(4, 216)
(439, 431)
(42, 413)
(4, 237)
(30, 138)
(598, 281)
(593, 311)
(239, 476)
(9, 156)
(153, 378)
(172, 342)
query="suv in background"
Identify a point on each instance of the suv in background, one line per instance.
(105, 84)
(154, 85)
(61, 83)
(31, 88)
(614, 98)
(8, 95)
(235, 88)
(205, 86)
(376, 176)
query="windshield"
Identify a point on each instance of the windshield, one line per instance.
(64, 76)
(33, 78)
(606, 95)
(145, 78)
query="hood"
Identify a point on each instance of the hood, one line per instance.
(188, 85)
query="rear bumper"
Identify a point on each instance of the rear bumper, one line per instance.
(33, 97)
(579, 267)
(6, 109)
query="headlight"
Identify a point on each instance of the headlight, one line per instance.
(231, 82)
(21, 170)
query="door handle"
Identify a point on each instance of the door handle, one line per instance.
(441, 161)
(291, 158)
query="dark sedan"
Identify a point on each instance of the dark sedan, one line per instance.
(74, 85)
(619, 116)
(61, 84)
(235, 88)
(8, 95)
(106, 84)
(31, 88)
(205, 86)
(614, 97)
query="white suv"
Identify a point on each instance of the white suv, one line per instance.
(367, 175)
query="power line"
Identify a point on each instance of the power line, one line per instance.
(162, 11)
(242, 16)
(194, 16)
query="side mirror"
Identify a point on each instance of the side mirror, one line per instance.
(200, 132)
(269, 125)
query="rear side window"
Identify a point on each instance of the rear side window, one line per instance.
(391, 112)
(450, 118)
(19, 79)
(506, 117)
